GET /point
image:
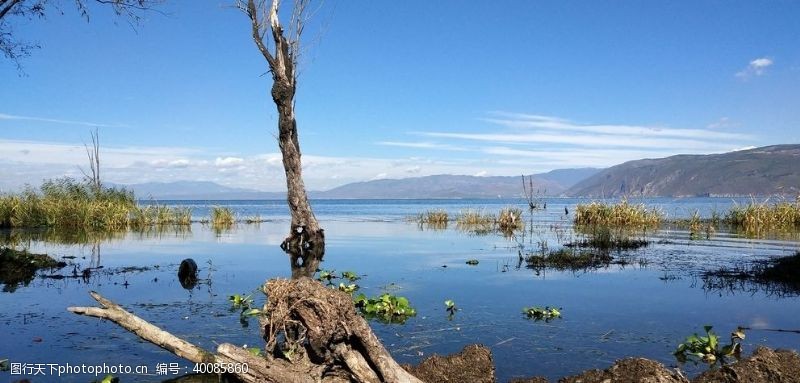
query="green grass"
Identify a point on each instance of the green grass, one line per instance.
(622, 214)
(472, 217)
(68, 204)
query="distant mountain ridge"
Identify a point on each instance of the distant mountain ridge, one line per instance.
(769, 170)
(436, 187)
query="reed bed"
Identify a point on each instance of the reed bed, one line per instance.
(472, 217)
(434, 217)
(70, 205)
(222, 216)
(622, 214)
(756, 217)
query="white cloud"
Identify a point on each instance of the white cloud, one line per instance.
(228, 162)
(12, 117)
(481, 173)
(756, 67)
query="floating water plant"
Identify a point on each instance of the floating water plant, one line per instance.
(327, 276)
(451, 308)
(386, 308)
(348, 288)
(350, 276)
(537, 313)
(239, 301)
(472, 262)
(707, 348)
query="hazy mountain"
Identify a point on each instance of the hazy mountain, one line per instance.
(566, 178)
(440, 186)
(196, 190)
(762, 171)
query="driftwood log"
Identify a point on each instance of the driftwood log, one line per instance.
(311, 334)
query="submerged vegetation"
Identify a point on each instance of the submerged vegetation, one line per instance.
(20, 267)
(568, 259)
(622, 214)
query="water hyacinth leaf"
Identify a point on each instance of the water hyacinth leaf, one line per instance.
(255, 351)
(251, 312)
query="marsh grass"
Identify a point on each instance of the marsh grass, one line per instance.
(436, 217)
(758, 217)
(222, 217)
(621, 214)
(70, 205)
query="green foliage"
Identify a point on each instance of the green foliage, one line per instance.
(386, 308)
(537, 313)
(707, 348)
(255, 351)
(472, 262)
(239, 301)
(65, 203)
(327, 276)
(4, 365)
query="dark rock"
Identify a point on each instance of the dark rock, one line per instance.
(187, 273)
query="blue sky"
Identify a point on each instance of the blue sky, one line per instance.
(399, 89)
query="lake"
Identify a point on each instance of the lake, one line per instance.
(644, 307)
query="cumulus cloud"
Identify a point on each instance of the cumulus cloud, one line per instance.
(228, 162)
(756, 67)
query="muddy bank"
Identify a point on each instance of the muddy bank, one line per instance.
(474, 364)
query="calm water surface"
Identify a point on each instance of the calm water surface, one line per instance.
(642, 309)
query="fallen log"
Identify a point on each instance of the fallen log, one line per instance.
(311, 334)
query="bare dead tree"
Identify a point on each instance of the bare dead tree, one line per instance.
(93, 154)
(15, 49)
(281, 49)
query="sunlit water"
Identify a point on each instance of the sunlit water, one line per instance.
(642, 309)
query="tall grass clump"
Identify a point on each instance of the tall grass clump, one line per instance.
(68, 204)
(222, 216)
(434, 217)
(756, 217)
(509, 219)
(471, 217)
(622, 214)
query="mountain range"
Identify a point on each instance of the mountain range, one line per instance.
(765, 171)
(769, 170)
(552, 183)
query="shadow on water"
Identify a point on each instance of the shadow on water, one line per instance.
(776, 277)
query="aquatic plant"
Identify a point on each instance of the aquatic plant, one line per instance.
(622, 214)
(471, 218)
(239, 301)
(327, 276)
(348, 288)
(472, 262)
(604, 238)
(568, 259)
(538, 313)
(222, 217)
(386, 308)
(254, 219)
(436, 216)
(350, 276)
(509, 219)
(707, 348)
(451, 308)
(755, 218)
